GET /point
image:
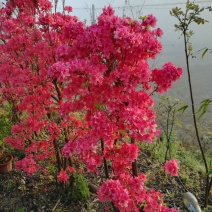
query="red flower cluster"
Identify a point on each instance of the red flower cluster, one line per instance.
(129, 192)
(164, 78)
(64, 174)
(171, 167)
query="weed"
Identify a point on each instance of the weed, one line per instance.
(9, 184)
(23, 209)
(80, 191)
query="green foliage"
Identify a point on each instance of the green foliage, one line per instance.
(207, 209)
(23, 209)
(204, 106)
(80, 191)
(204, 52)
(170, 194)
(188, 158)
(185, 18)
(158, 148)
(19, 153)
(167, 119)
(192, 14)
(9, 184)
(5, 121)
(209, 172)
(183, 108)
(51, 168)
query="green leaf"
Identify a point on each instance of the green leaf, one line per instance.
(190, 47)
(99, 105)
(205, 51)
(203, 112)
(122, 131)
(201, 9)
(209, 172)
(203, 108)
(183, 108)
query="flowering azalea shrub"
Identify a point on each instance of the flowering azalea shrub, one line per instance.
(33, 39)
(75, 98)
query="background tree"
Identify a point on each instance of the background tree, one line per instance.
(192, 15)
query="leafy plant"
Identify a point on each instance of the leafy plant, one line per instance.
(5, 121)
(22, 209)
(9, 184)
(203, 107)
(167, 119)
(192, 15)
(79, 190)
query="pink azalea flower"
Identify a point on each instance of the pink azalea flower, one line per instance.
(63, 177)
(68, 8)
(171, 167)
(70, 169)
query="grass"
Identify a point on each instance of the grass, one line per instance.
(188, 158)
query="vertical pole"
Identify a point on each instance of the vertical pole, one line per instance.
(55, 5)
(93, 21)
(63, 2)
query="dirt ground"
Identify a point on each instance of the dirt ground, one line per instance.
(20, 193)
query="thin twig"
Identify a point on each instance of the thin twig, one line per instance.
(58, 201)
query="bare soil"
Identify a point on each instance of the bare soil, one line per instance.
(20, 193)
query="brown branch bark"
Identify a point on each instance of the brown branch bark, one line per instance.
(134, 164)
